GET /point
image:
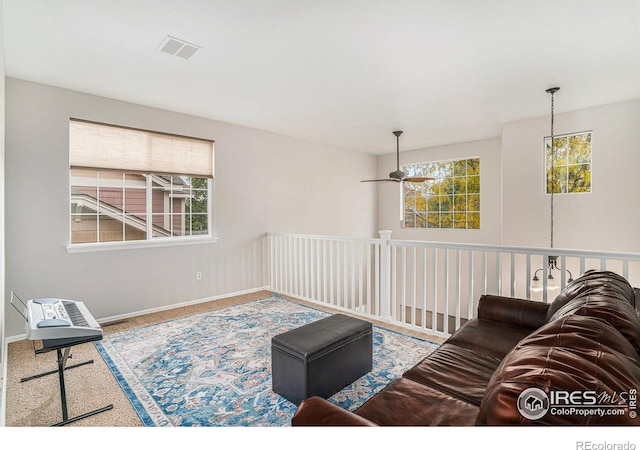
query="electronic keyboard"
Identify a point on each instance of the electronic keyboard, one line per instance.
(60, 324)
(53, 318)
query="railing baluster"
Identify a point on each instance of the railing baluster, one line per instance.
(434, 316)
(307, 263)
(294, 266)
(471, 278)
(528, 276)
(325, 273)
(403, 287)
(370, 288)
(458, 289)
(345, 275)
(445, 296)
(485, 277)
(355, 276)
(314, 270)
(415, 286)
(423, 318)
(393, 299)
(512, 282)
(499, 272)
(332, 272)
(377, 279)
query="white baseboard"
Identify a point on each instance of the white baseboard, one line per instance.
(23, 336)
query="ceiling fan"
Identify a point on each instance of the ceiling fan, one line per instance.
(399, 175)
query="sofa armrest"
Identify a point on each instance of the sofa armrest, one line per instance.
(318, 411)
(513, 311)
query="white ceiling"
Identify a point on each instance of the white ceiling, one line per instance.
(343, 72)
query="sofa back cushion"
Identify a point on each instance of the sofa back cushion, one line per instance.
(593, 282)
(601, 294)
(577, 354)
(617, 312)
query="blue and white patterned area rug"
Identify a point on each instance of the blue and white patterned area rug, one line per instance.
(214, 368)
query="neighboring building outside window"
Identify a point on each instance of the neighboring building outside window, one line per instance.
(452, 200)
(114, 199)
(572, 163)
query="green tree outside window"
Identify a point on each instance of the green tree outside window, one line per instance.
(571, 166)
(452, 200)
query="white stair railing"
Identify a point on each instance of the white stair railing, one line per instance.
(429, 286)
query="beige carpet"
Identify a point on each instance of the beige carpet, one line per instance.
(37, 403)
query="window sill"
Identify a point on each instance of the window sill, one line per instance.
(156, 243)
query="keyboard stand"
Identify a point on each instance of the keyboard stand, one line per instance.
(63, 348)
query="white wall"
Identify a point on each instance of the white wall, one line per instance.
(264, 182)
(606, 219)
(514, 210)
(2, 251)
(389, 194)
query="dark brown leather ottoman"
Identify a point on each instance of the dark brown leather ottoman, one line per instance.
(320, 358)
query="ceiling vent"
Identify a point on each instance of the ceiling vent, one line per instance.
(178, 47)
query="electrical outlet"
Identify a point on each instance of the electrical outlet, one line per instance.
(198, 275)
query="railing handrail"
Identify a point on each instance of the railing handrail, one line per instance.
(594, 254)
(326, 238)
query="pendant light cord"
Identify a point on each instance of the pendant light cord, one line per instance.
(553, 172)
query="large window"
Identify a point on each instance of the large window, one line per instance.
(452, 200)
(571, 171)
(135, 185)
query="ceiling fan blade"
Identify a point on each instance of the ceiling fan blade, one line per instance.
(382, 179)
(418, 179)
(398, 175)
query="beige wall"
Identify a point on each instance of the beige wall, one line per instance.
(264, 182)
(389, 194)
(2, 213)
(608, 218)
(514, 210)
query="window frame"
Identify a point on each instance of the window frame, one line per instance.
(545, 168)
(403, 198)
(149, 240)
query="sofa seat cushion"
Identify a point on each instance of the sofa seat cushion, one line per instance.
(318, 411)
(576, 354)
(491, 338)
(404, 402)
(457, 371)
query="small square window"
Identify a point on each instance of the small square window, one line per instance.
(568, 163)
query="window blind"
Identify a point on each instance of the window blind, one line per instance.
(100, 146)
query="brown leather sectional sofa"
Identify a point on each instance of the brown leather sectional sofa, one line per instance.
(575, 361)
